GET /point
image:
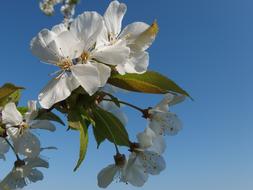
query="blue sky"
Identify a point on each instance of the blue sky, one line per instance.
(204, 45)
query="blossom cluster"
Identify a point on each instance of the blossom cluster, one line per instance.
(94, 57)
(146, 155)
(67, 8)
(18, 135)
(89, 50)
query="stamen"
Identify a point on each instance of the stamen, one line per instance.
(85, 56)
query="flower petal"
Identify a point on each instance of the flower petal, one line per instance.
(10, 115)
(104, 73)
(134, 173)
(152, 162)
(159, 145)
(52, 46)
(145, 138)
(27, 144)
(57, 89)
(44, 46)
(137, 63)
(36, 162)
(88, 77)
(106, 176)
(139, 35)
(86, 27)
(32, 105)
(35, 175)
(113, 17)
(113, 55)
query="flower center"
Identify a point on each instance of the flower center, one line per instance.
(85, 56)
(65, 64)
(120, 160)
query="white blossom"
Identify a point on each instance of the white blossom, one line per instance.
(112, 171)
(74, 51)
(138, 36)
(24, 172)
(145, 158)
(162, 121)
(18, 129)
(47, 6)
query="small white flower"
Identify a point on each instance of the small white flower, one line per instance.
(134, 172)
(112, 172)
(138, 36)
(145, 158)
(81, 62)
(18, 128)
(47, 6)
(24, 172)
(149, 140)
(161, 120)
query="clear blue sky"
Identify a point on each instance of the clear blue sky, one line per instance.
(206, 46)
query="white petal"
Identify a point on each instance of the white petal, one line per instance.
(113, 17)
(35, 175)
(69, 46)
(57, 89)
(42, 124)
(32, 105)
(113, 55)
(106, 176)
(10, 115)
(137, 63)
(36, 162)
(88, 77)
(166, 122)
(145, 138)
(159, 145)
(52, 46)
(177, 99)
(134, 173)
(163, 105)
(104, 73)
(27, 144)
(139, 35)
(152, 162)
(13, 132)
(86, 27)
(44, 46)
(133, 31)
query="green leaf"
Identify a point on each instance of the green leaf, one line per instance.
(149, 82)
(9, 93)
(44, 114)
(83, 129)
(108, 126)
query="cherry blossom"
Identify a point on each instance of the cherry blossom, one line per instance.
(162, 121)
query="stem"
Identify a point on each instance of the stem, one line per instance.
(117, 149)
(12, 148)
